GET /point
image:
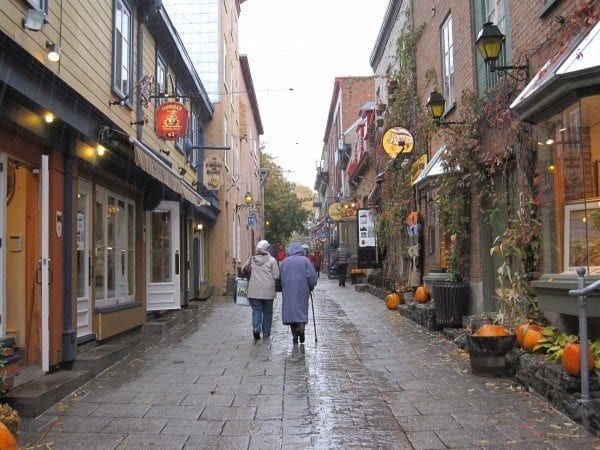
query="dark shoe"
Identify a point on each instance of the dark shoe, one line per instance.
(295, 339)
(266, 336)
(301, 335)
(256, 335)
(294, 328)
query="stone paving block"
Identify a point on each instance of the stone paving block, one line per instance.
(228, 413)
(216, 442)
(432, 422)
(252, 427)
(208, 399)
(175, 412)
(73, 424)
(481, 436)
(121, 410)
(136, 425)
(107, 396)
(158, 398)
(198, 427)
(78, 441)
(72, 407)
(424, 440)
(154, 441)
(263, 442)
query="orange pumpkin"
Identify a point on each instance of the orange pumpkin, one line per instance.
(522, 329)
(571, 359)
(492, 330)
(392, 300)
(531, 338)
(7, 440)
(421, 294)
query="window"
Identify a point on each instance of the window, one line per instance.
(193, 134)
(40, 5)
(568, 188)
(122, 49)
(494, 12)
(114, 256)
(161, 79)
(448, 62)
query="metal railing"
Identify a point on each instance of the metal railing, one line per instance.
(581, 292)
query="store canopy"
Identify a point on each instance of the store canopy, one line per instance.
(433, 168)
(146, 160)
(572, 73)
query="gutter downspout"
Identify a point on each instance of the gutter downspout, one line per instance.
(69, 335)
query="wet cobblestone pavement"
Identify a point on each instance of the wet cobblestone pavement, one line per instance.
(374, 379)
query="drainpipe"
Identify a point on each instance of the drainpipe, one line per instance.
(69, 335)
(139, 114)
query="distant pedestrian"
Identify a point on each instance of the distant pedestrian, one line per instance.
(264, 270)
(298, 278)
(280, 255)
(316, 259)
(341, 260)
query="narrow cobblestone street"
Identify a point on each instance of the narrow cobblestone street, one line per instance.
(373, 380)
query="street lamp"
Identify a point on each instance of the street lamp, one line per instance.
(489, 43)
(247, 201)
(436, 103)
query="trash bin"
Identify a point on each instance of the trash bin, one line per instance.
(450, 300)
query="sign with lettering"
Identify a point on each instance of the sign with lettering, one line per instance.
(171, 120)
(397, 140)
(213, 173)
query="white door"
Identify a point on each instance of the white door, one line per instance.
(164, 259)
(84, 259)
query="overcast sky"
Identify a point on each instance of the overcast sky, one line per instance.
(304, 45)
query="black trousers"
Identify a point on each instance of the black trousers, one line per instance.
(341, 273)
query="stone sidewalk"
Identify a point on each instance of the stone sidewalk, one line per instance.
(374, 379)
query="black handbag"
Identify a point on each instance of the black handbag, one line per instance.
(278, 287)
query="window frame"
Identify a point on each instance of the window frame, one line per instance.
(160, 64)
(116, 84)
(448, 72)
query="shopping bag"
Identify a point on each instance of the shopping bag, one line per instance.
(278, 286)
(241, 293)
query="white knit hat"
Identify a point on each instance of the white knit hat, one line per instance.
(262, 246)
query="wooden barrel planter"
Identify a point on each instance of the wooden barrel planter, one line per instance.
(487, 354)
(450, 300)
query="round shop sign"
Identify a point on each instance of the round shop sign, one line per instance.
(336, 210)
(397, 140)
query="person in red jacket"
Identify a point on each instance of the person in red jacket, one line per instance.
(280, 255)
(316, 259)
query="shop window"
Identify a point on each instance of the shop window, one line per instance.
(114, 258)
(568, 188)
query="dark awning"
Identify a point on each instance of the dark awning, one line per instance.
(574, 72)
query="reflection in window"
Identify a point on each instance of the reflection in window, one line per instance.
(114, 255)
(161, 247)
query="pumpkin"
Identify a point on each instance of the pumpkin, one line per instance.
(571, 359)
(421, 294)
(492, 330)
(522, 329)
(531, 338)
(7, 439)
(392, 300)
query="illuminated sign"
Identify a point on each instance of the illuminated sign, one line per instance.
(171, 120)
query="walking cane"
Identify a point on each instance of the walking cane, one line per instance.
(313, 312)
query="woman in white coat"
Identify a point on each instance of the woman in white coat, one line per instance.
(261, 289)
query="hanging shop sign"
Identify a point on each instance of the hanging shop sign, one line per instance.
(397, 140)
(213, 173)
(336, 211)
(417, 168)
(171, 120)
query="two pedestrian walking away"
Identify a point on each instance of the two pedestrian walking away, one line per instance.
(316, 259)
(298, 279)
(341, 260)
(261, 289)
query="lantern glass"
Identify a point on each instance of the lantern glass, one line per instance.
(248, 198)
(489, 42)
(436, 104)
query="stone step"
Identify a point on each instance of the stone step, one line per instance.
(156, 327)
(35, 397)
(99, 358)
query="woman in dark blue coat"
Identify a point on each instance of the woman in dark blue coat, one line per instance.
(298, 278)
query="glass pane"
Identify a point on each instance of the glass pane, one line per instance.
(111, 261)
(99, 266)
(130, 250)
(160, 238)
(121, 252)
(81, 255)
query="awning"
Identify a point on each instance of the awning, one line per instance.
(146, 160)
(572, 73)
(433, 168)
